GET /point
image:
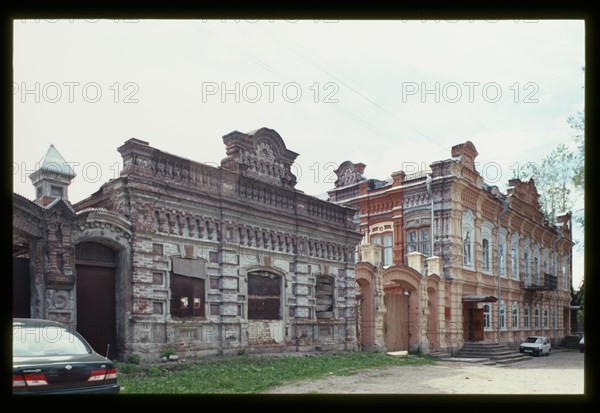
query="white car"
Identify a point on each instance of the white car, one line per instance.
(536, 345)
(581, 345)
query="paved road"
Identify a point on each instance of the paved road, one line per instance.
(560, 373)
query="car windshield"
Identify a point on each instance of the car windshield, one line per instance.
(534, 340)
(46, 341)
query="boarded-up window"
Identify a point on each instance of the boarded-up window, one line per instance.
(188, 288)
(324, 296)
(264, 296)
(187, 296)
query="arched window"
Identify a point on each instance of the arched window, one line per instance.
(467, 237)
(485, 251)
(527, 278)
(536, 317)
(514, 255)
(545, 316)
(526, 316)
(515, 316)
(487, 317)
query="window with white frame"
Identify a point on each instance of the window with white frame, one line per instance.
(467, 249)
(515, 316)
(565, 274)
(467, 237)
(386, 241)
(536, 316)
(485, 254)
(412, 241)
(526, 316)
(527, 279)
(502, 319)
(487, 317)
(486, 246)
(418, 241)
(545, 258)
(387, 249)
(425, 241)
(536, 264)
(501, 255)
(514, 256)
(545, 316)
(553, 317)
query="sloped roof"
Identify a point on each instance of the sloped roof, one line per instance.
(54, 162)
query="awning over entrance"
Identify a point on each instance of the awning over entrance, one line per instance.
(476, 298)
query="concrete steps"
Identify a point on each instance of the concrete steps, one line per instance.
(491, 353)
(571, 342)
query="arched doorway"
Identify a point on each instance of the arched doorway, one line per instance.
(21, 287)
(396, 326)
(432, 318)
(365, 315)
(401, 299)
(365, 307)
(96, 296)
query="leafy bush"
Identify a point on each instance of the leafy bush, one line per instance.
(168, 352)
(134, 359)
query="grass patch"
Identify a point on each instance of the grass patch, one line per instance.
(247, 374)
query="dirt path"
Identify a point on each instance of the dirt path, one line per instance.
(561, 373)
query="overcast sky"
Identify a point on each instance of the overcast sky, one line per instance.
(391, 94)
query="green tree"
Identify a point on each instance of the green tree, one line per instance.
(577, 123)
(553, 178)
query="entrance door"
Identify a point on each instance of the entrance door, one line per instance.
(477, 324)
(96, 315)
(21, 288)
(472, 322)
(96, 299)
(396, 322)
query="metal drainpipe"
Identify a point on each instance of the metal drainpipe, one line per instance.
(505, 205)
(428, 182)
(555, 291)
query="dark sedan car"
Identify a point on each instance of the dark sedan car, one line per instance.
(50, 358)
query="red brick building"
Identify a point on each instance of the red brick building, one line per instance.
(447, 259)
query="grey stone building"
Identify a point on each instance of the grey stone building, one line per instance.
(179, 254)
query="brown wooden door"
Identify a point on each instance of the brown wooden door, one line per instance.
(21, 288)
(477, 324)
(96, 309)
(466, 322)
(396, 322)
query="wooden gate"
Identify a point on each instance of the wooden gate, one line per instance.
(96, 300)
(396, 322)
(21, 288)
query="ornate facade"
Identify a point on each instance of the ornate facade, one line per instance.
(446, 258)
(202, 259)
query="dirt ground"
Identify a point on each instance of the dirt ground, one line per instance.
(560, 373)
